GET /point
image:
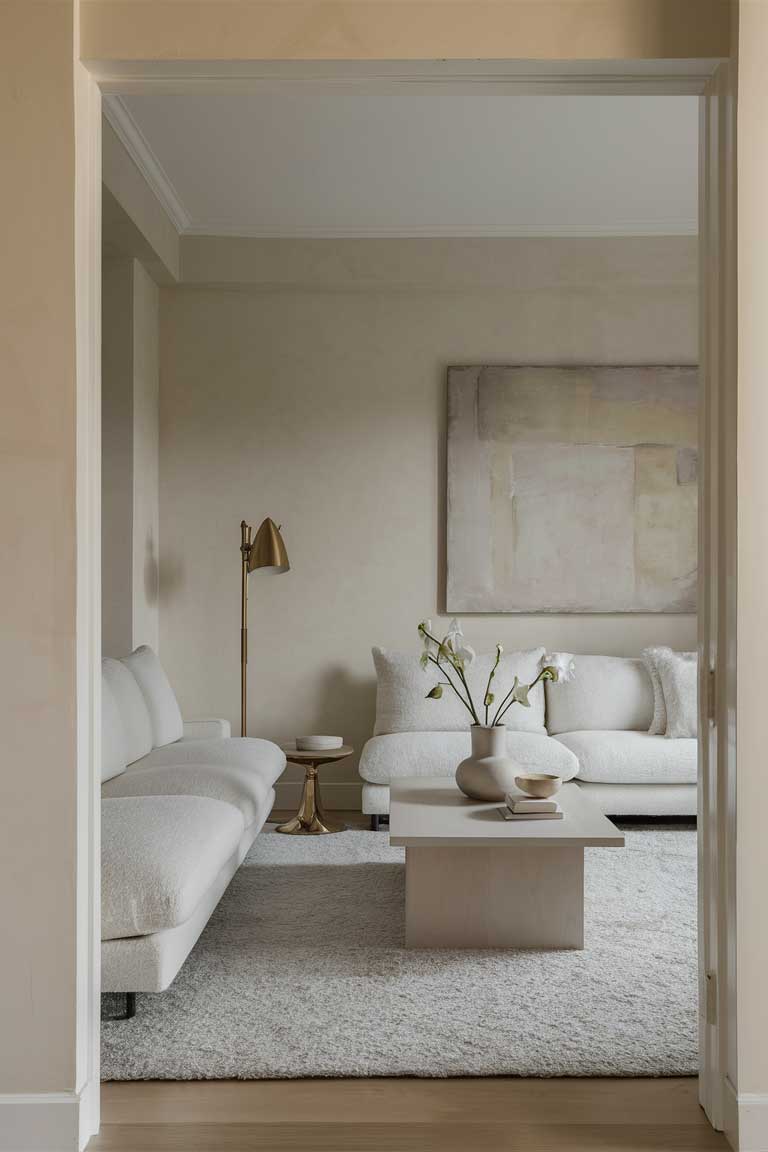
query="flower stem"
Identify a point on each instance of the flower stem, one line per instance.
(445, 673)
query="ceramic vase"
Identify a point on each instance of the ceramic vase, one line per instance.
(489, 773)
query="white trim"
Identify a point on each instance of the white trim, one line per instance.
(339, 795)
(746, 1119)
(319, 232)
(47, 1121)
(648, 77)
(145, 160)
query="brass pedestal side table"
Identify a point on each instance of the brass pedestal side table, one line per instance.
(310, 820)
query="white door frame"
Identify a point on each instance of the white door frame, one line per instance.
(713, 82)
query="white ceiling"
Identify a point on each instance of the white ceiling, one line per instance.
(323, 160)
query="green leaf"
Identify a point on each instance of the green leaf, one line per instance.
(489, 699)
(436, 693)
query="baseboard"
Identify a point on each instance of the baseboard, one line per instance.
(341, 795)
(47, 1121)
(745, 1119)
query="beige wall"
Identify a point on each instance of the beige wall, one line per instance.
(404, 29)
(38, 778)
(324, 407)
(146, 435)
(130, 511)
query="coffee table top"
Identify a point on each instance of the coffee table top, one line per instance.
(431, 812)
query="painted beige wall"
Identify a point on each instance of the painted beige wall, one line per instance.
(404, 29)
(752, 603)
(146, 437)
(324, 407)
(38, 701)
(130, 509)
(117, 457)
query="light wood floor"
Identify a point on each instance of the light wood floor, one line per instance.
(474, 1115)
(493, 1115)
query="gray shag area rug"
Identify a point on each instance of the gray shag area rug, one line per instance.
(301, 971)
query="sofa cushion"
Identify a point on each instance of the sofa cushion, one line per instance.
(402, 687)
(159, 856)
(159, 697)
(680, 681)
(134, 717)
(608, 692)
(386, 758)
(259, 756)
(631, 757)
(113, 754)
(243, 787)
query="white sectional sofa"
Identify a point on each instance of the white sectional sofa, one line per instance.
(181, 805)
(594, 727)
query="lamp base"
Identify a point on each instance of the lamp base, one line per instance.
(310, 820)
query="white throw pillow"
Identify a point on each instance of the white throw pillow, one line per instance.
(679, 680)
(401, 704)
(608, 693)
(113, 754)
(159, 697)
(137, 729)
(651, 657)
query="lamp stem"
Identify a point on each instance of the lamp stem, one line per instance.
(245, 548)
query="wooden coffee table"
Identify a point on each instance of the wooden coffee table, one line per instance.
(474, 880)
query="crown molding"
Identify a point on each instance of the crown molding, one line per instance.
(134, 142)
(223, 228)
(666, 77)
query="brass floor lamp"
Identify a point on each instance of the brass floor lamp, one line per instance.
(266, 552)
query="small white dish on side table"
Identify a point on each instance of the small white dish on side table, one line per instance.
(319, 743)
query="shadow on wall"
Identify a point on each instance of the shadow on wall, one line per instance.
(151, 571)
(170, 576)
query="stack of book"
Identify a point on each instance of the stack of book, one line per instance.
(520, 807)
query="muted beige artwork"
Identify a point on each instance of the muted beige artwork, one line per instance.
(572, 489)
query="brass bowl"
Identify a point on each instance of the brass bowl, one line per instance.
(539, 784)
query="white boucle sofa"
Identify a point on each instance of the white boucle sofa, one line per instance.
(594, 727)
(181, 805)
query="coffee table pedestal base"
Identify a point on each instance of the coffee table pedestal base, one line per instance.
(494, 897)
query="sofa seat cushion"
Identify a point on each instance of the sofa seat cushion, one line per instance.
(159, 856)
(246, 788)
(607, 692)
(261, 756)
(389, 757)
(631, 757)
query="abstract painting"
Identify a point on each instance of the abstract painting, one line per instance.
(572, 489)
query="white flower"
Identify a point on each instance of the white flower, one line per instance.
(454, 642)
(424, 659)
(563, 664)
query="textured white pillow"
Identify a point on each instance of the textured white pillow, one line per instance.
(134, 717)
(679, 680)
(113, 755)
(159, 697)
(401, 704)
(651, 657)
(608, 693)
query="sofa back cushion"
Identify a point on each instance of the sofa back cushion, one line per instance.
(113, 755)
(159, 697)
(134, 717)
(608, 693)
(402, 686)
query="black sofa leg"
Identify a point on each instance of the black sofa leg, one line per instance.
(130, 1005)
(374, 823)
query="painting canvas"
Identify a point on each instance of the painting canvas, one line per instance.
(572, 489)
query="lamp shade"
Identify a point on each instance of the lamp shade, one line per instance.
(268, 550)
